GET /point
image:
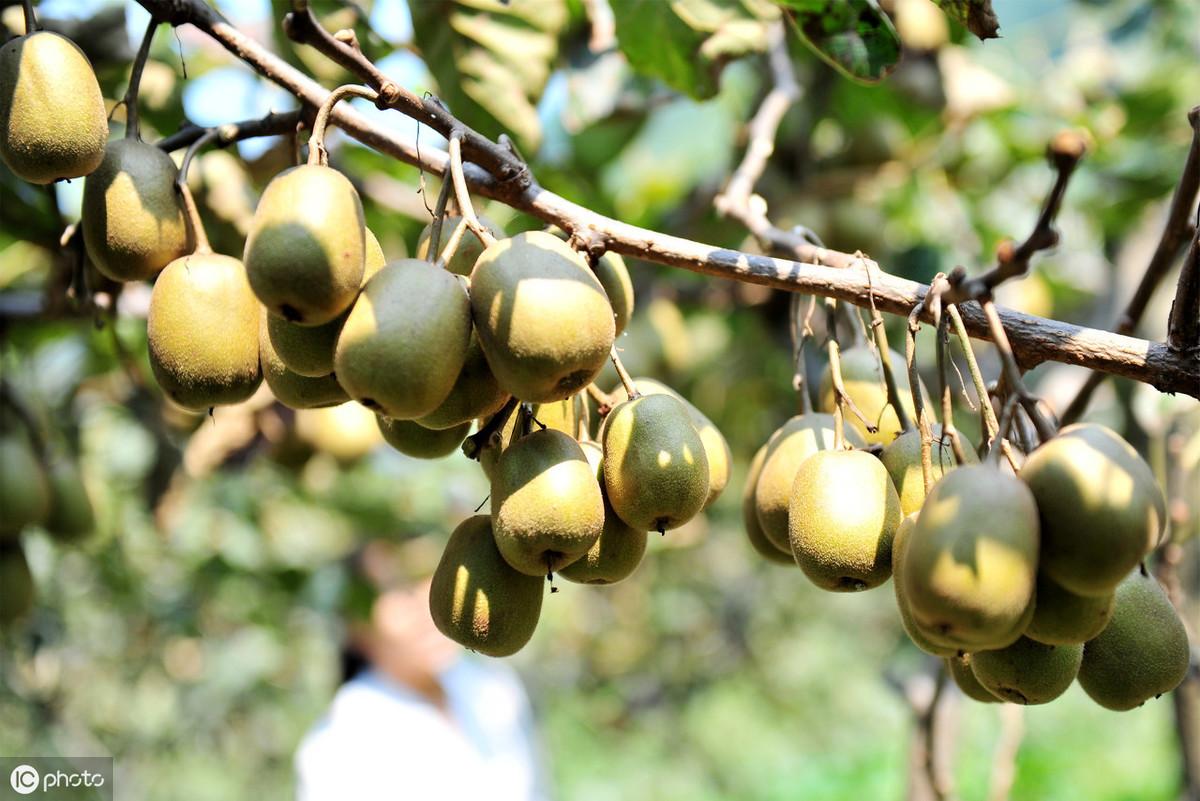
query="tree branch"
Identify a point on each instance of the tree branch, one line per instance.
(1183, 326)
(820, 271)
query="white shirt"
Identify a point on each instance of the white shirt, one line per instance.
(380, 740)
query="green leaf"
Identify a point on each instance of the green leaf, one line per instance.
(686, 43)
(854, 36)
(491, 59)
(976, 15)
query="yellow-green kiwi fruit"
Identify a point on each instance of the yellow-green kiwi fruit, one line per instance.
(24, 490)
(787, 449)
(843, 515)
(307, 350)
(618, 550)
(1141, 654)
(203, 332)
(862, 376)
(306, 249)
(70, 516)
(715, 446)
(959, 668)
(405, 341)
(655, 468)
(610, 269)
(542, 317)
(292, 389)
(902, 458)
(52, 119)
(133, 223)
(547, 510)
(971, 562)
(16, 584)
(420, 442)
(1027, 672)
(1100, 507)
(569, 416)
(754, 532)
(475, 393)
(1064, 618)
(469, 246)
(477, 599)
(919, 638)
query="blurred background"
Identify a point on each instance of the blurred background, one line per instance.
(195, 637)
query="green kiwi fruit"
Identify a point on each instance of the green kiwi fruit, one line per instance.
(16, 584)
(862, 376)
(53, 124)
(754, 532)
(420, 442)
(715, 446)
(1064, 618)
(902, 458)
(477, 599)
(475, 393)
(405, 342)
(24, 489)
(618, 550)
(70, 516)
(959, 668)
(292, 389)
(133, 223)
(547, 509)
(610, 269)
(1101, 510)
(841, 520)
(919, 637)
(1027, 672)
(202, 330)
(306, 249)
(542, 317)
(655, 467)
(469, 246)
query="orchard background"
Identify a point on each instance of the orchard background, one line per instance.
(193, 637)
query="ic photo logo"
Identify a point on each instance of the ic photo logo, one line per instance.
(24, 779)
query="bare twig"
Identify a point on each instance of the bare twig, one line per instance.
(949, 430)
(435, 227)
(889, 374)
(191, 212)
(462, 194)
(1183, 326)
(317, 154)
(132, 128)
(842, 399)
(31, 23)
(801, 328)
(473, 445)
(273, 124)
(631, 390)
(924, 426)
(604, 401)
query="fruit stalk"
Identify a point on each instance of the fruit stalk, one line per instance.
(943, 364)
(190, 211)
(991, 424)
(889, 376)
(31, 23)
(439, 217)
(914, 380)
(626, 380)
(132, 121)
(801, 333)
(1012, 372)
(462, 195)
(317, 155)
(841, 397)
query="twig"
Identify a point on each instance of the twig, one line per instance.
(132, 127)
(604, 401)
(191, 212)
(1012, 373)
(435, 227)
(631, 390)
(317, 154)
(273, 124)
(949, 430)
(801, 328)
(1183, 326)
(473, 445)
(462, 194)
(31, 23)
(842, 399)
(932, 299)
(889, 373)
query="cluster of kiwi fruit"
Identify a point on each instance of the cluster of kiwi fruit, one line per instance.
(1022, 581)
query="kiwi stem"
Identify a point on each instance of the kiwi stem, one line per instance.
(31, 23)
(452, 243)
(461, 194)
(190, 211)
(949, 431)
(914, 381)
(991, 424)
(626, 380)
(1012, 372)
(1007, 415)
(317, 155)
(604, 402)
(132, 120)
(889, 374)
(439, 217)
(473, 445)
(801, 333)
(842, 399)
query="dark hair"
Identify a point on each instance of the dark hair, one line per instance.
(352, 661)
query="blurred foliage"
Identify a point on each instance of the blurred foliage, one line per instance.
(194, 636)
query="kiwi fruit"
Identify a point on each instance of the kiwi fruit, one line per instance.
(1064, 618)
(542, 317)
(53, 124)
(788, 448)
(1141, 654)
(715, 446)
(959, 668)
(292, 389)
(862, 376)
(477, 599)
(547, 509)
(570, 416)
(971, 561)
(475, 393)
(1101, 510)
(306, 248)
(133, 223)
(16, 584)
(618, 550)
(1027, 672)
(406, 339)
(902, 458)
(24, 489)
(469, 246)
(655, 467)
(919, 637)
(610, 269)
(841, 520)
(413, 439)
(307, 350)
(754, 532)
(70, 516)
(202, 330)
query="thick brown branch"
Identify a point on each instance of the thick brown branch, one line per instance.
(820, 271)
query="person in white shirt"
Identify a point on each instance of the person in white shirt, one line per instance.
(418, 718)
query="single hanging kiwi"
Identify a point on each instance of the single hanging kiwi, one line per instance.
(1064, 618)
(618, 550)
(413, 439)
(919, 637)
(469, 246)
(305, 252)
(53, 124)
(754, 532)
(289, 388)
(1101, 509)
(902, 458)
(133, 223)
(24, 490)
(715, 446)
(1027, 672)
(842, 517)
(307, 350)
(477, 599)
(405, 342)
(542, 317)
(862, 376)
(613, 275)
